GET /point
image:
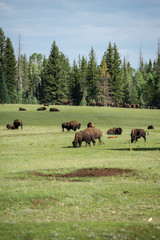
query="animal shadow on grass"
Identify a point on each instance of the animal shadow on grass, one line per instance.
(135, 149)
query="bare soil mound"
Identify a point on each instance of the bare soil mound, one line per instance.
(88, 172)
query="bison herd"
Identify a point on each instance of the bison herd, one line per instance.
(90, 134)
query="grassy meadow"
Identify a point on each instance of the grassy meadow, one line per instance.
(35, 204)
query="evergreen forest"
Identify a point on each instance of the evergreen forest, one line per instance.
(54, 80)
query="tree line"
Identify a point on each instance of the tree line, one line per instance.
(54, 79)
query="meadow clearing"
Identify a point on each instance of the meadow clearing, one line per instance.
(36, 203)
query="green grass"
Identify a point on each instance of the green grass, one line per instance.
(47, 207)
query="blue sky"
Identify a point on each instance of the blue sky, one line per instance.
(79, 25)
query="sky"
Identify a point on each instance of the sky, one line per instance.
(78, 25)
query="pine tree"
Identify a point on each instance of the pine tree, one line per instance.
(24, 68)
(83, 76)
(76, 93)
(2, 47)
(116, 77)
(157, 81)
(109, 57)
(126, 79)
(92, 78)
(55, 80)
(4, 97)
(43, 77)
(10, 70)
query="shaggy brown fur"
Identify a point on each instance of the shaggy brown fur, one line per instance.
(80, 137)
(137, 133)
(18, 123)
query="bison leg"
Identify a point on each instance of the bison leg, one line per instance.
(80, 143)
(100, 141)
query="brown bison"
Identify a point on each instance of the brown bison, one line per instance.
(91, 125)
(80, 137)
(150, 127)
(94, 134)
(41, 109)
(100, 104)
(72, 125)
(10, 126)
(22, 109)
(93, 104)
(114, 131)
(54, 110)
(137, 133)
(65, 125)
(65, 102)
(18, 123)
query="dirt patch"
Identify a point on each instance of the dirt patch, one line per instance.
(88, 172)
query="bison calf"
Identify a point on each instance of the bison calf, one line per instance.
(10, 126)
(80, 137)
(137, 133)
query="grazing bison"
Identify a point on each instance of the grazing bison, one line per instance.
(72, 125)
(18, 123)
(41, 109)
(137, 133)
(54, 110)
(94, 134)
(46, 104)
(10, 126)
(91, 125)
(80, 137)
(22, 109)
(114, 131)
(150, 127)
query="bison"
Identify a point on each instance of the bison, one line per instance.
(72, 125)
(54, 110)
(93, 104)
(94, 134)
(65, 102)
(22, 109)
(114, 131)
(150, 127)
(80, 137)
(137, 133)
(91, 125)
(100, 104)
(41, 109)
(10, 126)
(18, 123)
